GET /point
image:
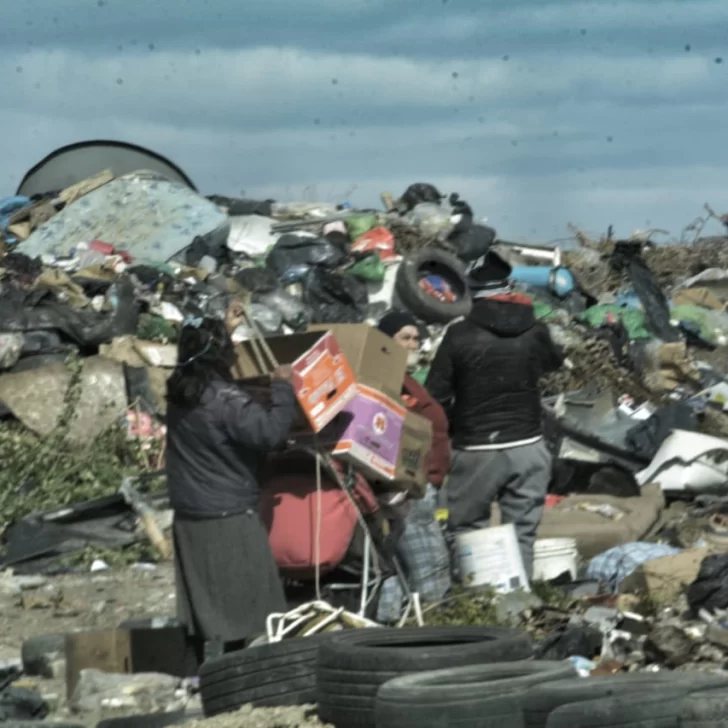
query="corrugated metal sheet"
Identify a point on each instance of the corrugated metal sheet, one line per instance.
(151, 217)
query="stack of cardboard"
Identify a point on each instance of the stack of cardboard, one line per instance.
(348, 382)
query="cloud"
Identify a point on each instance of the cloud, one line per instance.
(430, 28)
(278, 86)
(537, 113)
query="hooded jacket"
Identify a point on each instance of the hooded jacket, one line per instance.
(487, 369)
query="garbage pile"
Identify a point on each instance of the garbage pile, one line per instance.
(97, 277)
(100, 267)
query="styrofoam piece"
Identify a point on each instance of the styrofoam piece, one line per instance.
(251, 234)
(688, 461)
(553, 556)
(490, 556)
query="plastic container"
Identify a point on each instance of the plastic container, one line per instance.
(559, 281)
(554, 556)
(491, 557)
(689, 461)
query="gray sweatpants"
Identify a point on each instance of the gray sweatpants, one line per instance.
(516, 477)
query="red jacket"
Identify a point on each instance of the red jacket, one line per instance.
(419, 401)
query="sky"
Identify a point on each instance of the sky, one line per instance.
(539, 113)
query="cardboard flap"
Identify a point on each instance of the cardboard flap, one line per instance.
(378, 362)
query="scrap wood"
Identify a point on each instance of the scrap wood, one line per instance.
(388, 201)
(75, 191)
(147, 518)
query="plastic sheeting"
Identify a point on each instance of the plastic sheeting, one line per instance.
(689, 461)
(42, 312)
(73, 163)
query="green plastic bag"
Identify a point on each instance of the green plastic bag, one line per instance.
(369, 269)
(542, 310)
(633, 319)
(699, 316)
(360, 224)
(155, 328)
(420, 375)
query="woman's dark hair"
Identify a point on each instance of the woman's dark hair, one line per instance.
(204, 354)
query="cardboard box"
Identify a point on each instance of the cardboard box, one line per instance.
(664, 579)
(385, 442)
(414, 448)
(377, 361)
(322, 376)
(126, 651)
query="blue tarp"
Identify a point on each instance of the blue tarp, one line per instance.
(613, 566)
(8, 207)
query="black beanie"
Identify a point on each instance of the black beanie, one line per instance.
(394, 321)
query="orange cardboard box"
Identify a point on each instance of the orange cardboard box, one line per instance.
(323, 379)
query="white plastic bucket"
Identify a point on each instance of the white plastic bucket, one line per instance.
(490, 556)
(552, 557)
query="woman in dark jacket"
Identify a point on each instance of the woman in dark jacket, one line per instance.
(227, 581)
(421, 547)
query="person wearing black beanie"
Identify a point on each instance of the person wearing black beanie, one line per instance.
(421, 547)
(486, 374)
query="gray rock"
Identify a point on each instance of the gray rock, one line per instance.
(513, 604)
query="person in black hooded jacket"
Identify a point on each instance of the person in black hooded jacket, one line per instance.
(486, 374)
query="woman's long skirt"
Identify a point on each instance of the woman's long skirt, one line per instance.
(226, 578)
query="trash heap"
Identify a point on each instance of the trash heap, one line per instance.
(98, 273)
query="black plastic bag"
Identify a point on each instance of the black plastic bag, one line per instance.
(257, 280)
(334, 298)
(420, 192)
(472, 242)
(21, 268)
(710, 589)
(297, 251)
(628, 254)
(646, 437)
(202, 247)
(236, 206)
(41, 342)
(150, 276)
(41, 311)
(572, 642)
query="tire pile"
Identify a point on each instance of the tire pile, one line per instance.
(456, 676)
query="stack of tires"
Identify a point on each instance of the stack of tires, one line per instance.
(456, 676)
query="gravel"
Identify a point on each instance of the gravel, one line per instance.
(298, 716)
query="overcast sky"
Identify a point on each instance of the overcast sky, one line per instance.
(539, 113)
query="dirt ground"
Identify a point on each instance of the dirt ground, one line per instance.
(102, 600)
(300, 716)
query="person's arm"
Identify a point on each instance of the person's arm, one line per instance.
(438, 459)
(440, 382)
(552, 357)
(252, 425)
